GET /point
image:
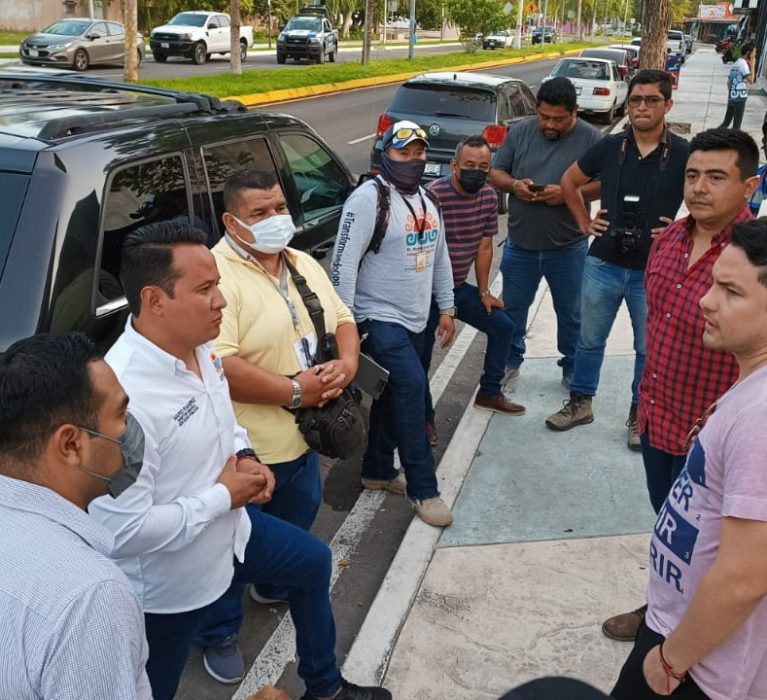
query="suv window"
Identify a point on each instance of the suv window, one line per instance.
(445, 101)
(517, 103)
(221, 161)
(223, 21)
(321, 183)
(212, 22)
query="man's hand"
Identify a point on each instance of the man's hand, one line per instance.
(655, 676)
(248, 465)
(336, 374)
(522, 191)
(446, 331)
(314, 390)
(242, 487)
(666, 221)
(596, 226)
(490, 302)
(552, 196)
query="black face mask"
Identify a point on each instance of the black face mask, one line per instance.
(472, 181)
(404, 175)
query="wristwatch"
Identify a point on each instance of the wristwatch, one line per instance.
(298, 396)
(484, 294)
(448, 312)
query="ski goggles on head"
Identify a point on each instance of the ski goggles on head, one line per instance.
(401, 136)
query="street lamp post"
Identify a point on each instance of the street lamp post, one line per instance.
(519, 23)
(411, 40)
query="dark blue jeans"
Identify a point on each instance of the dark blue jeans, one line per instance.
(296, 499)
(604, 287)
(522, 271)
(280, 554)
(661, 469)
(397, 418)
(497, 327)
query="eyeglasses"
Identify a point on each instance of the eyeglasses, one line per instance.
(651, 101)
(698, 426)
(406, 132)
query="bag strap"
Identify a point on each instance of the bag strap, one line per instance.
(383, 207)
(310, 299)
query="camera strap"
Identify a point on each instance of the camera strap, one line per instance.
(310, 299)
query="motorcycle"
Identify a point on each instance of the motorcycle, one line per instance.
(727, 56)
(724, 45)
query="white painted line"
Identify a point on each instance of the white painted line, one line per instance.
(361, 139)
(280, 649)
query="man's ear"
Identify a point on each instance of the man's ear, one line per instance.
(66, 444)
(152, 300)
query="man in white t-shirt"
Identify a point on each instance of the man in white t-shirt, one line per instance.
(742, 74)
(704, 630)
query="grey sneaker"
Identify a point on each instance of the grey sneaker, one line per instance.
(632, 439)
(395, 485)
(224, 661)
(575, 411)
(433, 511)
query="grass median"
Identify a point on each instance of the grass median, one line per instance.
(259, 81)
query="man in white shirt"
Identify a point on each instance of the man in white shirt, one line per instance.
(742, 74)
(71, 625)
(182, 533)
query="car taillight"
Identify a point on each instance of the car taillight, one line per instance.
(636, 63)
(605, 92)
(623, 71)
(494, 135)
(384, 122)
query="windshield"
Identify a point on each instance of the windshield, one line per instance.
(67, 27)
(586, 70)
(308, 23)
(189, 19)
(445, 101)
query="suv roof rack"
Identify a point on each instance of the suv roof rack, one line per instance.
(314, 10)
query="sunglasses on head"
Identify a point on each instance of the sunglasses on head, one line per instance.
(406, 132)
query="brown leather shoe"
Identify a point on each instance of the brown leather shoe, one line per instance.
(624, 627)
(431, 432)
(499, 404)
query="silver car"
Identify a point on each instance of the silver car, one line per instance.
(78, 43)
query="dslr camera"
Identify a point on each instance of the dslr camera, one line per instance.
(626, 238)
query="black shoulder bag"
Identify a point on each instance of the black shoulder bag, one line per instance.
(336, 429)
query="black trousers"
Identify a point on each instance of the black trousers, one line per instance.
(631, 684)
(733, 114)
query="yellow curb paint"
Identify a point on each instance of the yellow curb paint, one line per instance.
(289, 94)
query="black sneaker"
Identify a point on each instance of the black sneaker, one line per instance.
(349, 691)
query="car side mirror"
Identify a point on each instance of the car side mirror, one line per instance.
(93, 36)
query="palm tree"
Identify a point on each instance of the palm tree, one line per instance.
(234, 38)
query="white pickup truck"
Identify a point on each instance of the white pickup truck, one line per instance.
(197, 35)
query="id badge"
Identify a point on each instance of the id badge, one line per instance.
(306, 349)
(420, 262)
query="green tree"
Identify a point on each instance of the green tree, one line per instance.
(477, 17)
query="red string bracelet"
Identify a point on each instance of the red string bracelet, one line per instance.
(670, 673)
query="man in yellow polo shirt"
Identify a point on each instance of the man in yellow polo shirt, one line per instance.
(267, 344)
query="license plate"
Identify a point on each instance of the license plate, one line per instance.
(164, 45)
(33, 52)
(432, 169)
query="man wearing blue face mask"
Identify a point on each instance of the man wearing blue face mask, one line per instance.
(389, 284)
(72, 625)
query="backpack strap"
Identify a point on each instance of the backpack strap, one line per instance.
(383, 208)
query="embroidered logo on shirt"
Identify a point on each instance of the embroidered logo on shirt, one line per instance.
(185, 413)
(218, 364)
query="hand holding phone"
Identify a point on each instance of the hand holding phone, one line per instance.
(536, 188)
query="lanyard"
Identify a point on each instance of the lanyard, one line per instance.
(422, 226)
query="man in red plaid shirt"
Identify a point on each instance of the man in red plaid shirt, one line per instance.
(682, 378)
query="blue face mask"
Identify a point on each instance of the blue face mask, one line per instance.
(271, 236)
(131, 444)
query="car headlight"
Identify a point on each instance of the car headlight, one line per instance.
(59, 47)
(185, 37)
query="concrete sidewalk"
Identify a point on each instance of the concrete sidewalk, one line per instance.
(551, 529)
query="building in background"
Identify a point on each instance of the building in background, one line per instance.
(34, 15)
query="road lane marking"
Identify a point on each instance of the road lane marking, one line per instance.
(361, 139)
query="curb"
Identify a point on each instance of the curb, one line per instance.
(289, 94)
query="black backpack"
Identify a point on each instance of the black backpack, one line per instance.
(383, 207)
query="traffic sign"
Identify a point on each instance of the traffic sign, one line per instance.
(531, 8)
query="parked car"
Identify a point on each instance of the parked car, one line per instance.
(609, 31)
(310, 35)
(500, 39)
(452, 106)
(545, 35)
(84, 162)
(676, 44)
(636, 41)
(688, 43)
(197, 35)
(598, 84)
(78, 43)
(632, 50)
(621, 57)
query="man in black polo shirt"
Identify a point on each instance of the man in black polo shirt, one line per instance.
(642, 174)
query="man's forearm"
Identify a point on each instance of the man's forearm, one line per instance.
(574, 201)
(482, 263)
(502, 180)
(348, 340)
(591, 191)
(249, 383)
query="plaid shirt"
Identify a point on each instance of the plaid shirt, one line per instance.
(681, 378)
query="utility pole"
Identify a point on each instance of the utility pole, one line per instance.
(411, 40)
(269, 31)
(580, 26)
(130, 65)
(366, 36)
(91, 11)
(519, 23)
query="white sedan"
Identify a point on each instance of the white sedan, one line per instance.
(598, 84)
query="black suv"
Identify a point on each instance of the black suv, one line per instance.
(84, 162)
(452, 106)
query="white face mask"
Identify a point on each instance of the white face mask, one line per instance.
(271, 236)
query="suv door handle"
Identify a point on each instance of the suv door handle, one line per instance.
(322, 250)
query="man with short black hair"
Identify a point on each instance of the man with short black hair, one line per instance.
(182, 532)
(544, 240)
(707, 597)
(72, 626)
(470, 211)
(642, 174)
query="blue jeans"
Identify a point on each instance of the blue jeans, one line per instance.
(296, 499)
(397, 418)
(661, 469)
(522, 271)
(605, 286)
(497, 327)
(280, 554)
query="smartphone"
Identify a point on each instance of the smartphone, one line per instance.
(536, 188)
